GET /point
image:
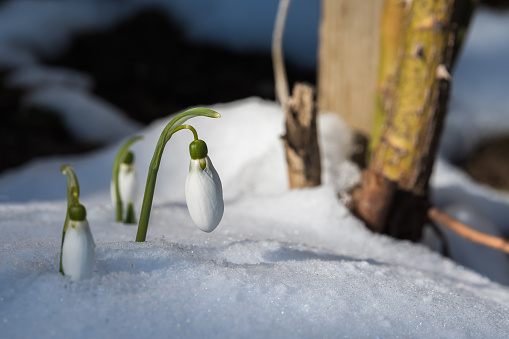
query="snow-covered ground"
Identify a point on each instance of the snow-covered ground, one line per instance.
(281, 264)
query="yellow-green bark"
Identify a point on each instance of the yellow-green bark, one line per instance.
(411, 102)
(414, 87)
(392, 29)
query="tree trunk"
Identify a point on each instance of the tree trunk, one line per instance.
(392, 29)
(414, 103)
(301, 140)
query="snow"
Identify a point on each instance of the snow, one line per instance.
(479, 110)
(281, 264)
(29, 28)
(36, 76)
(88, 117)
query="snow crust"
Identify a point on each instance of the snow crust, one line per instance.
(281, 264)
(478, 110)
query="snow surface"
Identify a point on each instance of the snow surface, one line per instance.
(281, 264)
(478, 110)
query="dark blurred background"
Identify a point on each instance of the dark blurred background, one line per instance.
(146, 65)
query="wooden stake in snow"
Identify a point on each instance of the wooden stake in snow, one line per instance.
(301, 139)
(348, 59)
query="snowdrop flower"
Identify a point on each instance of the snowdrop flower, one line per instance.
(204, 193)
(124, 183)
(78, 250)
(127, 186)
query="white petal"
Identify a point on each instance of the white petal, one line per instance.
(78, 251)
(128, 186)
(128, 183)
(204, 195)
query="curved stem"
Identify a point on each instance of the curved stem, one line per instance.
(174, 124)
(189, 127)
(172, 127)
(72, 182)
(116, 168)
(73, 192)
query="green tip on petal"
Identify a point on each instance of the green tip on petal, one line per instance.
(77, 212)
(198, 149)
(203, 164)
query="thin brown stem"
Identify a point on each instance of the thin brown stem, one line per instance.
(278, 62)
(466, 232)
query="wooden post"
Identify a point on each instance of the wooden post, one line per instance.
(301, 140)
(348, 60)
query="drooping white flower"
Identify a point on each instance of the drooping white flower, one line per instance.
(128, 186)
(78, 250)
(204, 193)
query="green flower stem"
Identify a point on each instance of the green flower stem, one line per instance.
(189, 127)
(116, 168)
(147, 205)
(73, 192)
(172, 127)
(129, 218)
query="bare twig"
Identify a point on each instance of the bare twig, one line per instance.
(278, 61)
(466, 232)
(301, 138)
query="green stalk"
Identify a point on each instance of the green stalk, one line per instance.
(116, 168)
(129, 217)
(73, 192)
(147, 205)
(172, 127)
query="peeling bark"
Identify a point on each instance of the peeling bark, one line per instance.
(301, 140)
(414, 104)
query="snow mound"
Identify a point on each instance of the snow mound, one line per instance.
(281, 263)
